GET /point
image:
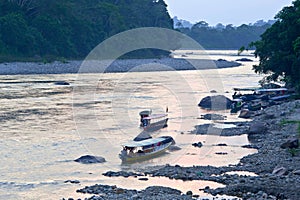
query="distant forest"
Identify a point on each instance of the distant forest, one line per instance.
(71, 28)
(224, 37)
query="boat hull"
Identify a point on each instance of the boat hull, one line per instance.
(157, 125)
(145, 156)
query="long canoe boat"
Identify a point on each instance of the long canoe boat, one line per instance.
(145, 149)
(153, 122)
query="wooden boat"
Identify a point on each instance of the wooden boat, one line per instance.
(153, 122)
(145, 149)
(260, 93)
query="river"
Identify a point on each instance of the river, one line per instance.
(44, 126)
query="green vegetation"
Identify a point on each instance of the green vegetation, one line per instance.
(46, 29)
(225, 37)
(284, 122)
(279, 48)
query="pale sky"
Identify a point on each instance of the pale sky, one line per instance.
(234, 12)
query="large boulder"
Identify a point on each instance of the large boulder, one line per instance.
(218, 102)
(291, 143)
(88, 159)
(257, 128)
(246, 114)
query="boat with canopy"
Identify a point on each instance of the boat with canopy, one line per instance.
(145, 149)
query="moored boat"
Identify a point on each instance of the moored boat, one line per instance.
(153, 122)
(145, 149)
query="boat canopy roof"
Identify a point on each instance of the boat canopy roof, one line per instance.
(246, 89)
(145, 112)
(143, 143)
(260, 89)
(272, 90)
(155, 116)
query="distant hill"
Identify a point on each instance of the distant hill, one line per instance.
(71, 28)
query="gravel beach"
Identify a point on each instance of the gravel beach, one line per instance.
(110, 66)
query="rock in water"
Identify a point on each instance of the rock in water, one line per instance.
(88, 159)
(197, 144)
(61, 83)
(218, 102)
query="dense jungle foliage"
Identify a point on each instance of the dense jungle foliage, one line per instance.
(71, 28)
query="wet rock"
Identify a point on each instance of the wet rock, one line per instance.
(190, 193)
(213, 91)
(88, 159)
(279, 171)
(290, 143)
(197, 144)
(218, 102)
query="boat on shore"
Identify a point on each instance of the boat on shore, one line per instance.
(255, 99)
(145, 149)
(153, 122)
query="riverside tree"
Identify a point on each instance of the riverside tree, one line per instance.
(279, 48)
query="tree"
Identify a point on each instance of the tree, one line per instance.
(278, 49)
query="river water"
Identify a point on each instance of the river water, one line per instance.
(44, 126)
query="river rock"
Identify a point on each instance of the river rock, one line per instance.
(297, 172)
(279, 171)
(291, 143)
(246, 114)
(257, 128)
(218, 102)
(197, 144)
(88, 159)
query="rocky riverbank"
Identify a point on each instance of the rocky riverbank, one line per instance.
(272, 173)
(126, 65)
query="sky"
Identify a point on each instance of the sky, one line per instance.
(236, 12)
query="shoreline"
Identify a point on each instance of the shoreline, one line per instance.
(109, 66)
(275, 171)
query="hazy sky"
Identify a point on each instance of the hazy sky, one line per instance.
(234, 12)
